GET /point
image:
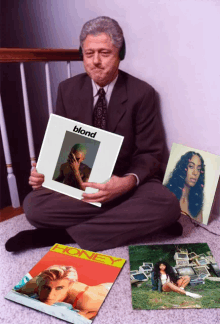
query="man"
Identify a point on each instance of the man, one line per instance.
(134, 203)
(74, 172)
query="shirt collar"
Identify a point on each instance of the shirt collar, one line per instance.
(108, 88)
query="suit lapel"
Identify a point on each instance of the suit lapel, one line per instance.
(86, 102)
(116, 107)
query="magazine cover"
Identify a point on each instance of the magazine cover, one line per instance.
(68, 283)
(174, 276)
(192, 175)
(73, 153)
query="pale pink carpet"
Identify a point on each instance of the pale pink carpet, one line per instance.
(117, 308)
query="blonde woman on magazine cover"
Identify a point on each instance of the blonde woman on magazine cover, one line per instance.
(59, 284)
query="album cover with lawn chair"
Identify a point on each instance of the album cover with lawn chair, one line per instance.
(174, 276)
(68, 283)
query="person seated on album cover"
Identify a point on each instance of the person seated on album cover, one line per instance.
(187, 183)
(60, 283)
(164, 279)
(74, 172)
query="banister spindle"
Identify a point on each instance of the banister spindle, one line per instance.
(27, 115)
(49, 97)
(13, 189)
(68, 69)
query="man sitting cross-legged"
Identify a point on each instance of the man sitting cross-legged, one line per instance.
(134, 202)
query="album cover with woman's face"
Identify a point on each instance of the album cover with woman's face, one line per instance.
(174, 276)
(68, 283)
(192, 175)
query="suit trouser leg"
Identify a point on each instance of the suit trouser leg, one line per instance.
(46, 208)
(147, 209)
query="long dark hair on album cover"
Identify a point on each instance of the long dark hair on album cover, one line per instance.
(169, 271)
(177, 180)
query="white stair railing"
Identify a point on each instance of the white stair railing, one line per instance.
(48, 84)
(27, 115)
(12, 184)
(30, 55)
(68, 69)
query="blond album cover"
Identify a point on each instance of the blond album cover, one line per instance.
(73, 153)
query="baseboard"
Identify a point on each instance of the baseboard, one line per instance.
(10, 212)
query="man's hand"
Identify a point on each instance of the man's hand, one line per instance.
(115, 187)
(36, 179)
(74, 164)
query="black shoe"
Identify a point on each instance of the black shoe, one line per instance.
(37, 238)
(175, 229)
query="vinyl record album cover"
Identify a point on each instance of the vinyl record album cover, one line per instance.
(192, 175)
(174, 276)
(73, 153)
(68, 283)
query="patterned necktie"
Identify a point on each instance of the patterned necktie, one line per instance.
(100, 111)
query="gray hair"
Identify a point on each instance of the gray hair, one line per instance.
(103, 25)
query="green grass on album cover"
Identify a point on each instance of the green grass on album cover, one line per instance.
(144, 298)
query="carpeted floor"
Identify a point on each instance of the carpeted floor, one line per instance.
(117, 307)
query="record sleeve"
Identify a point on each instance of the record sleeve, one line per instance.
(73, 153)
(68, 283)
(192, 176)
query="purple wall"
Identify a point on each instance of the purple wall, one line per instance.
(171, 44)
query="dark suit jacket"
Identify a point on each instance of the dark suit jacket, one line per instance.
(132, 113)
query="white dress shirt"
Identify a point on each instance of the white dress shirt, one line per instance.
(108, 91)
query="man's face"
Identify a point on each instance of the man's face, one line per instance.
(101, 58)
(80, 156)
(54, 291)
